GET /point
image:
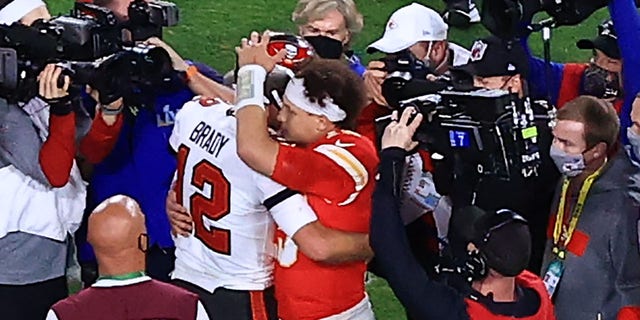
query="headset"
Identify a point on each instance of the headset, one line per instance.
(476, 267)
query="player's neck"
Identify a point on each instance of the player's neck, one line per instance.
(115, 266)
(503, 289)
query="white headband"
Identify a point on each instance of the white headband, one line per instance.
(17, 9)
(295, 93)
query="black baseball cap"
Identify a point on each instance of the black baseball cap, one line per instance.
(606, 41)
(493, 56)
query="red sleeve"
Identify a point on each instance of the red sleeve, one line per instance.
(100, 139)
(58, 152)
(308, 171)
(366, 124)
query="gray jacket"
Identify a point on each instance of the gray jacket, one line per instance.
(606, 277)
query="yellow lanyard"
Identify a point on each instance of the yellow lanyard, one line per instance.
(558, 248)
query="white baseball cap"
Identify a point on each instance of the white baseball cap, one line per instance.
(409, 25)
(16, 9)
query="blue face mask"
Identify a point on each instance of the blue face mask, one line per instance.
(570, 165)
(634, 140)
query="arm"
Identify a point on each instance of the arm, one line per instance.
(623, 251)
(331, 246)
(537, 78)
(422, 297)
(102, 137)
(204, 86)
(254, 146)
(58, 152)
(294, 216)
(627, 24)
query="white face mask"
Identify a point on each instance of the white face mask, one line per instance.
(634, 140)
(570, 165)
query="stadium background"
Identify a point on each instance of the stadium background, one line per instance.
(210, 29)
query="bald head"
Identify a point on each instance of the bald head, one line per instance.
(115, 226)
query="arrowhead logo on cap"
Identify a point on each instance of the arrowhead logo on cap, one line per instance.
(511, 67)
(391, 25)
(478, 49)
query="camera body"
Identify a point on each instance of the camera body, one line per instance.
(492, 131)
(91, 46)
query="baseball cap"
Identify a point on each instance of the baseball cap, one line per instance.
(492, 56)
(606, 41)
(408, 25)
(14, 10)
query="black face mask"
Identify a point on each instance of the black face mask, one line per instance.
(595, 83)
(326, 47)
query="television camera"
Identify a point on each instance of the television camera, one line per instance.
(93, 48)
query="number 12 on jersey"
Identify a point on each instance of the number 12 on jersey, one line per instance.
(214, 207)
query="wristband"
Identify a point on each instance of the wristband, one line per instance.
(111, 112)
(190, 73)
(251, 86)
(60, 106)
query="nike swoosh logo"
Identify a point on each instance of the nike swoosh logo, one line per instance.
(344, 145)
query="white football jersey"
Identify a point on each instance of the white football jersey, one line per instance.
(231, 245)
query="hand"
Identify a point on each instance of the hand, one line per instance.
(635, 115)
(180, 219)
(400, 133)
(373, 82)
(178, 63)
(48, 83)
(255, 52)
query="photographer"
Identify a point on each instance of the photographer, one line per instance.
(42, 190)
(142, 165)
(498, 247)
(421, 31)
(502, 64)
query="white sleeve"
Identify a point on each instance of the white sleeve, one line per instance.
(292, 214)
(51, 315)
(288, 208)
(201, 313)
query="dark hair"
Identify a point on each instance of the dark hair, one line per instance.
(601, 122)
(334, 79)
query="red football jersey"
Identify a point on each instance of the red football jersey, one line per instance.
(337, 176)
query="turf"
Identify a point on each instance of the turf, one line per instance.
(210, 29)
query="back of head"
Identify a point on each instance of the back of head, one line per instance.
(493, 56)
(115, 227)
(502, 238)
(600, 120)
(329, 78)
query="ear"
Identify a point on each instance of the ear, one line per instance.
(600, 150)
(322, 123)
(347, 38)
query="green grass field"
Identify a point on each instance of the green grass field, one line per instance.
(210, 29)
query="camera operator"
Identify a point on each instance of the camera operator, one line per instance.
(141, 165)
(497, 251)
(330, 26)
(502, 64)
(43, 191)
(420, 30)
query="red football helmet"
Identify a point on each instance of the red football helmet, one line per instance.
(298, 49)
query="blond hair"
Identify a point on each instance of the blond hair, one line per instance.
(311, 10)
